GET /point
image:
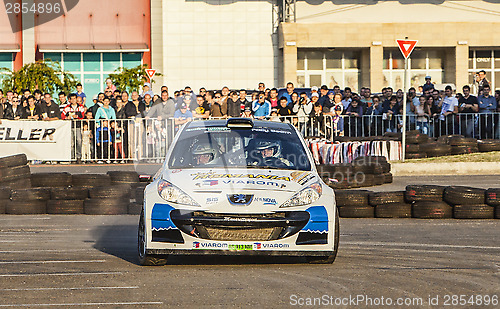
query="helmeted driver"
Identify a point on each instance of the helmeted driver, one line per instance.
(269, 150)
(204, 153)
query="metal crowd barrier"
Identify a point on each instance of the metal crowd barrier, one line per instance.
(121, 140)
(126, 140)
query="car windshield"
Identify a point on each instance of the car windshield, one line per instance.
(210, 147)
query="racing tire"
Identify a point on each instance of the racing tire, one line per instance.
(387, 177)
(487, 145)
(123, 176)
(459, 195)
(478, 211)
(357, 212)
(9, 174)
(393, 210)
(420, 155)
(91, 180)
(493, 196)
(416, 138)
(62, 179)
(436, 149)
(32, 207)
(139, 194)
(106, 206)
(69, 193)
(115, 191)
(417, 193)
(412, 148)
(459, 150)
(21, 183)
(329, 259)
(364, 180)
(63, 207)
(389, 197)
(369, 168)
(458, 140)
(432, 210)
(15, 160)
(144, 258)
(4, 193)
(351, 198)
(379, 180)
(40, 194)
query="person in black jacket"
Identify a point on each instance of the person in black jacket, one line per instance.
(135, 108)
(33, 110)
(233, 105)
(14, 111)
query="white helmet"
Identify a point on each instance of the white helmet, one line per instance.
(274, 145)
(206, 149)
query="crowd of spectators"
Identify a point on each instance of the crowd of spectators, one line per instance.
(433, 111)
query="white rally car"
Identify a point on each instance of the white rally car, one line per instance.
(238, 187)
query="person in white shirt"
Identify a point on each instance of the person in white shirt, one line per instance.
(448, 109)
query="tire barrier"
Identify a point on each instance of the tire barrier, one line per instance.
(417, 193)
(117, 192)
(487, 145)
(432, 210)
(91, 180)
(421, 201)
(64, 207)
(106, 206)
(365, 171)
(51, 179)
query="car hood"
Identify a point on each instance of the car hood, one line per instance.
(220, 188)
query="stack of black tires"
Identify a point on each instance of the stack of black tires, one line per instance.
(366, 204)
(421, 201)
(420, 146)
(364, 171)
(414, 140)
(15, 172)
(118, 192)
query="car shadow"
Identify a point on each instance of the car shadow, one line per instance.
(120, 240)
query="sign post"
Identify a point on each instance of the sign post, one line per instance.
(406, 46)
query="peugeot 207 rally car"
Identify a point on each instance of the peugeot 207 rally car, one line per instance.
(238, 187)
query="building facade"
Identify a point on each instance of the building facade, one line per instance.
(215, 43)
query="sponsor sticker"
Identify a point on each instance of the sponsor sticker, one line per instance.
(212, 175)
(301, 177)
(266, 200)
(238, 247)
(253, 182)
(207, 183)
(212, 200)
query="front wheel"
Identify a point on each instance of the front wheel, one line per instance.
(329, 259)
(144, 258)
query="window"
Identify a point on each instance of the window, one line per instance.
(329, 67)
(487, 60)
(6, 61)
(93, 68)
(422, 62)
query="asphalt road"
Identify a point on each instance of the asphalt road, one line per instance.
(84, 261)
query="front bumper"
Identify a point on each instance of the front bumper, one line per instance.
(237, 252)
(284, 232)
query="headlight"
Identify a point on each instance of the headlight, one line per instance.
(171, 193)
(306, 196)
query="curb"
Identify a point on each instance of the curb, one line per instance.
(452, 168)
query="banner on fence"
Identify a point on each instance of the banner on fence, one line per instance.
(39, 140)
